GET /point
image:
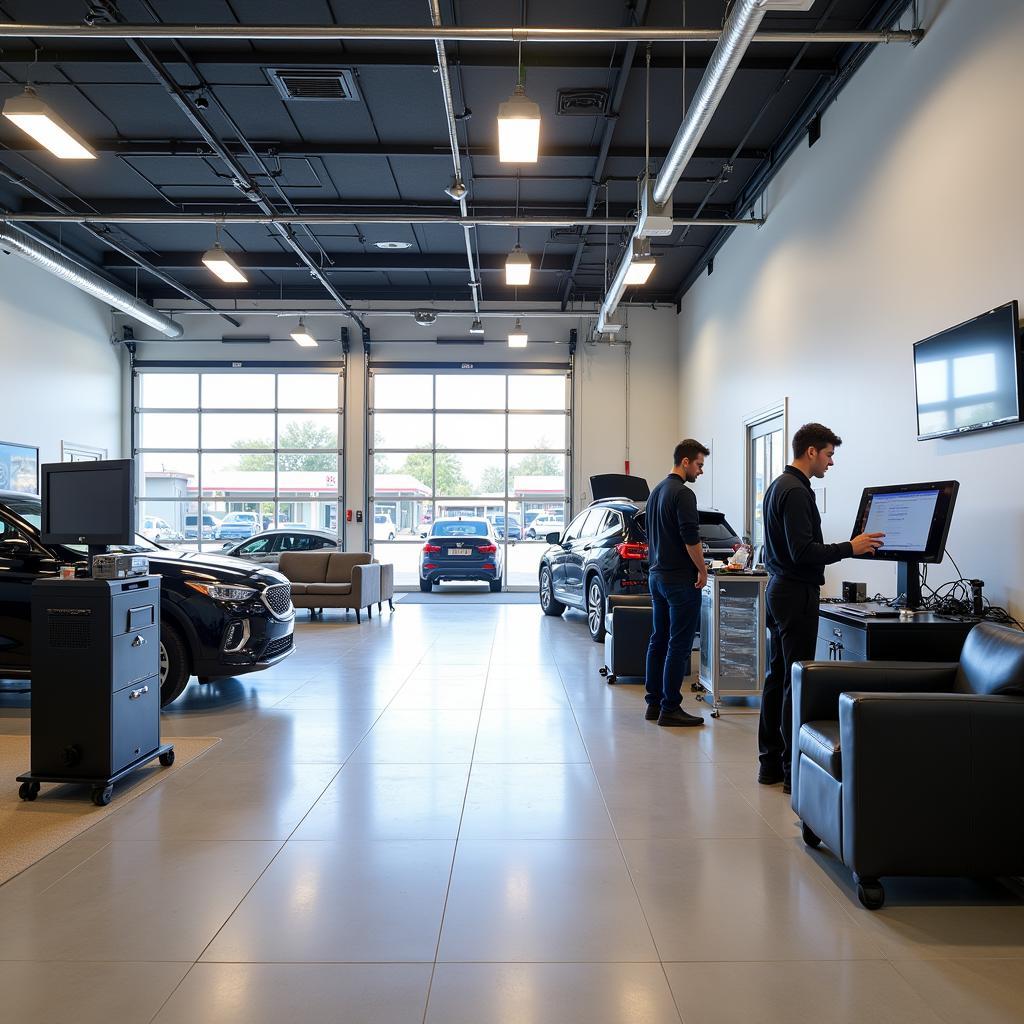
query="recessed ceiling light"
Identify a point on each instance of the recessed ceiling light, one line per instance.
(393, 245)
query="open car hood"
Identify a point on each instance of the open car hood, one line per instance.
(619, 485)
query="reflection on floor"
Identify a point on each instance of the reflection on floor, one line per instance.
(446, 815)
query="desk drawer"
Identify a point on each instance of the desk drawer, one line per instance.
(135, 722)
(852, 639)
(134, 610)
(136, 655)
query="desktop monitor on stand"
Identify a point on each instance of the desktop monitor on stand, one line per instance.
(915, 519)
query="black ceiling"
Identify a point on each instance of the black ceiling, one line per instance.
(387, 150)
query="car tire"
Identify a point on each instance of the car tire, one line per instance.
(174, 664)
(495, 586)
(595, 608)
(391, 536)
(426, 586)
(549, 604)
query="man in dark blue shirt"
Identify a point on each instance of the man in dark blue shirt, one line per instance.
(795, 557)
(677, 577)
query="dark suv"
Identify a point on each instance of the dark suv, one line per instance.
(219, 616)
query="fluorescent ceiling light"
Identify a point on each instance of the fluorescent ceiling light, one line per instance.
(642, 263)
(518, 267)
(517, 336)
(477, 327)
(221, 264)
(35, 118)
(302, 337)
(518, 129)
(393, 245)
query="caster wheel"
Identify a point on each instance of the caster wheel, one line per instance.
(611, 680)
(28, 791)
(167, 758)
(810, 839)
(101, 795)
(696, 687)
(700, 697)
(716, 714)
(871, 894)
(603, 670)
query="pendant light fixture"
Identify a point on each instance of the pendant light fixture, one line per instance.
(218, 262)
(302, 337)
(518, 267)
(641, 266)
(36, 119)
(477, 327)
(518, 125)
(517, 337)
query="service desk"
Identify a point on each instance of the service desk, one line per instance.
(843, 636)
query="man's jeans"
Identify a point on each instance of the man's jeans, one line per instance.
(676, 617)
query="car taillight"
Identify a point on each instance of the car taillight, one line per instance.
(431, 549)
(631, 550)
(486, 549)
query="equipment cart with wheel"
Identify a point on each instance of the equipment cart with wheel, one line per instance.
(732, 637)
(95, 683)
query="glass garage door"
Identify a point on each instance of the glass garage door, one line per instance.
(222, 455)
(489, 444)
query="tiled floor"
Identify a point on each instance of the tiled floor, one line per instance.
(447, 816)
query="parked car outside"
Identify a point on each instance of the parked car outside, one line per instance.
(461, 549)
(219, 616)
(514, 530)
(155, 528)
(266, 548)
(542, 525)
(383, 526)
(210, 524)
(238, 525)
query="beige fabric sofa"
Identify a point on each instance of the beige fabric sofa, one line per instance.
(333, 579)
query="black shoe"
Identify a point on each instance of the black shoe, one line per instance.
(652, 712)
(786, 786)
(679, 717)
(767, 778)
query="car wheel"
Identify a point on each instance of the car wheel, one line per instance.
(595, 609)
(391, 536)
(174, 666)
(426, 586)
(549, 604)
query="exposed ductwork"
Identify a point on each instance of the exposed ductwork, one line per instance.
(67, 270)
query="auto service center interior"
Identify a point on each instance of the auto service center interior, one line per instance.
(351, 303)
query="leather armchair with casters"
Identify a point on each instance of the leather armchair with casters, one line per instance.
(914, 768)
(628, 621)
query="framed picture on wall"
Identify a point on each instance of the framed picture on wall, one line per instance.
(71, 452)
(19, 468)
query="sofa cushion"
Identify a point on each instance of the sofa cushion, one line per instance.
(992, 661)
(819, 741)
(339, 568)
(304, 566)
(298, 588)
(329, 589)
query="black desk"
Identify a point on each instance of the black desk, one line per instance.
(927, 637)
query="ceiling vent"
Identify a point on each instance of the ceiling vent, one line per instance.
(314, 83)
(582, 102)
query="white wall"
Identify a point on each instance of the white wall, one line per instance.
(61, 376)
(904, 219)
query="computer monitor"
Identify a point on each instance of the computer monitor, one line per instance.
(88, 503)
(915, 519)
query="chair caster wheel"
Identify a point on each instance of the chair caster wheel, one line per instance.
(611, 679)
(603, 670)
(28, 791)
(870, 893)
(700, 698)
(167, 758)
(101, 795)
(716, 714)
(696, 687)
(809, 838)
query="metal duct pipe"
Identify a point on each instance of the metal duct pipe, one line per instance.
(459, 34)
(69, 271)
(468, 314)
(453, 139)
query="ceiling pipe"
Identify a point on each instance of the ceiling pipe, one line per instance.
(453, 139)
(737, 33)
(467, 314)
(454, 34)
(68, 270)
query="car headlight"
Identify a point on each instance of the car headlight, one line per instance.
(221, 592)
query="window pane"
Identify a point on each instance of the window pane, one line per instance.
(162, 521)
(460, 474)
(470, 430)
(402, 475)
(472, 391)
(238, 391)
(536, 391)
(403, 391)
(308, 430)
(542, 475)
(407, 520)
(248, 475)
(169, 391)
(307, 391)
(238, 430)
(168, 430)
(398, 430)
(306, 512)
(167, 475)
(545, 431)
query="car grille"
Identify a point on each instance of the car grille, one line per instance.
(278, 647)
(278, 600)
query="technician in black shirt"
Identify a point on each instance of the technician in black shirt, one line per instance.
(795, 557)
(677, 576)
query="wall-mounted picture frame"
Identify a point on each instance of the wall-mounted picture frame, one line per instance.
(19, 467)
(71, 452)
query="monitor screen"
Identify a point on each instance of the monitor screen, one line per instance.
(88, 502)
(915, 519)
(969, 377)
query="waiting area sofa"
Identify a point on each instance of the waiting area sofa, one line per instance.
(335, 579)
(914, 768)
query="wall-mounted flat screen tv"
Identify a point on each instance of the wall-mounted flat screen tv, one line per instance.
(970, 377)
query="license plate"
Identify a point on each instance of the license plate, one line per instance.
(460, 551)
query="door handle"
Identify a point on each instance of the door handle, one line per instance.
(139, 641)
(136, 694)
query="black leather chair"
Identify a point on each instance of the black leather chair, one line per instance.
(627, 622)
(914, 768)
